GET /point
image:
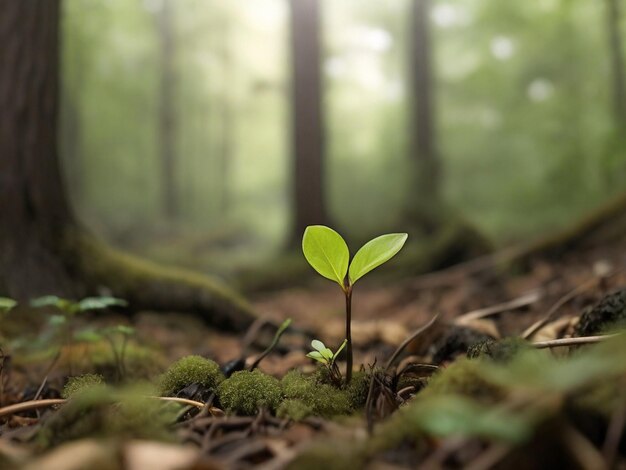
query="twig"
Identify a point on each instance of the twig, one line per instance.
(182, 401)
(36, 404)
(554, 343)
(523, 301)
(30, 405)
(588, 457)
(615, 431)
(452, 274)
(406, 342)
(562, 301)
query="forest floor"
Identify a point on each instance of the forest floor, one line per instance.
(471, 304)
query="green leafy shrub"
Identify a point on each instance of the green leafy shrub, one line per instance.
(189, 370)
(81, 383)
(245, 392)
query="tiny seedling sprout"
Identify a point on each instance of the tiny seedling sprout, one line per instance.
(325, 356)
(70, 308)
(327, 252)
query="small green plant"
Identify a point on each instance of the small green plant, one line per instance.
(327, 252)
(326, 357)
(117, 336)
(70, 308)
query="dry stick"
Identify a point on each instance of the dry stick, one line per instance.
(522, 301)
(554, 343)
(406, 342)
(36, 404)
(563, 300)
(45, 379)
(449, 276)
(490, 457)
(582, 449)
(30, 405)
(614, 432)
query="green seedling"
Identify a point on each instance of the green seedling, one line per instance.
(325, 356)
(117, 336)
(70, 308)
(327, 252)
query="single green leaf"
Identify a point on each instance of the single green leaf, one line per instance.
(317, 356)
(374, 253)
(318, 345)
(326, 252)
(327, 353)
(48, 301)
(95, 303)
(6, 303)
(343, 345)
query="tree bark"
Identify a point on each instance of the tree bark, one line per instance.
(43, 249)
(308, 137)
(617, 62)
(425, 182)
(167, 112)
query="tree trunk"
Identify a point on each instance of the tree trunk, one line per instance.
(167, 113)
(43, 250)
(308, 140)
(227, 139)
(617, 62)
(424, 193)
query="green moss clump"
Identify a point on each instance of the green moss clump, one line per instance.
(324, 399)
(189, 370)
(499, 350)
(462, 377)
(294, 409)
(102, 411)
(245, 392)
(81, 383)
(358, 388)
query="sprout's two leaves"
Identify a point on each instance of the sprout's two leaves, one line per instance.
(374, 253)
(326, 252)
(95, 303)
(6, 304)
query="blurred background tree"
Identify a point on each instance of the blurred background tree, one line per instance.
(208, 133)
